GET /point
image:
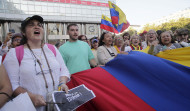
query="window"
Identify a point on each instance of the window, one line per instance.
(55, 29)
(24, 8)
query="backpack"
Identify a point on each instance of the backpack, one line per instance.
(20, 52)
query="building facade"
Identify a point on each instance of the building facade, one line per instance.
(57, 15)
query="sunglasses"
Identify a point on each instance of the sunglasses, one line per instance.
(182, 34)
(17, 40)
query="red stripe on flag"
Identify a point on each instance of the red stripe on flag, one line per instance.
(108, 28)
(125, 26)
(115, 19)
(111, 94)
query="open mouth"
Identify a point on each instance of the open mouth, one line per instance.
(37, 32)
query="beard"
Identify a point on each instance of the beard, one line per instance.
(73, 38)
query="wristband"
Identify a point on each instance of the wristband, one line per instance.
(61, 83)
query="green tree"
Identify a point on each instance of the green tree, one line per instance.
(131, 31)
(171, 25)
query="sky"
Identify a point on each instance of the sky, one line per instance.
(140, 12)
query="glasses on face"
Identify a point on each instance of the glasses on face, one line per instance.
(16, 40)
(32, 24)
(150, 33)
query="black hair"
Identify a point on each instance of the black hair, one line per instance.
(57, 44)
(126, 34)
(183, 31)
(159, 32)
(102, 38)
(23, 40)
(23, 30)
(71, 25)
(80, 37)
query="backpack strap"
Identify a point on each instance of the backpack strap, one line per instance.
(52, 48)
(19, 53)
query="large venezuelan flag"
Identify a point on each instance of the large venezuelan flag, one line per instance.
(118, 17)
(137, 82)
(106, 24)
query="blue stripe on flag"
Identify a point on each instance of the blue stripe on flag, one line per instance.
(105, 22)
(162, 84)
(114, 12)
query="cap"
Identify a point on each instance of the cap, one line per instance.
(144, 32)
(16, 35)
(94, 40)
(35, 17)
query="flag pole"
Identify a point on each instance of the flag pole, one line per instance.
(111, 22)
(114, 33)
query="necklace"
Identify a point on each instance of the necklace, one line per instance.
(40, 64)
(40, 59)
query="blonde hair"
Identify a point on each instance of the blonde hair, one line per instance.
(135, 35)
(116, 38)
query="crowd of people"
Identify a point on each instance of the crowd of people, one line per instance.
(32, 66)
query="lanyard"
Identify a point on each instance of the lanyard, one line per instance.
(38, 61)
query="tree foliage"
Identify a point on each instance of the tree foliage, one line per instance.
(130, 30)
(171, 25)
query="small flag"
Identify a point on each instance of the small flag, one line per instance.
(106, 24)
(118, 18)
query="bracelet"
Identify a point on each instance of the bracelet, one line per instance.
(10, 98)
(61, 83)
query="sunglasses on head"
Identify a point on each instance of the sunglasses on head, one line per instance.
(182, 34)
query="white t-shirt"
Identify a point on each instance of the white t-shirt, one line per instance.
(28, 75)
(185, 44)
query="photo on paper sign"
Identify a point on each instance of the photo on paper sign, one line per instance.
(75, 98)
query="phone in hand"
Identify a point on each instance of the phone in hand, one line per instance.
(12, 30)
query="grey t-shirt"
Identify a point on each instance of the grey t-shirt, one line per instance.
(160, 47)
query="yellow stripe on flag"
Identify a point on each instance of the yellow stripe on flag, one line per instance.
(106, 18)
(122, 16)
(180, 55)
